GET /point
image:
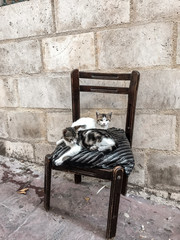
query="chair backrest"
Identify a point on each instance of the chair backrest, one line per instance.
(131, 91)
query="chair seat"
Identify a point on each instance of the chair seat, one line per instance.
(95, 160)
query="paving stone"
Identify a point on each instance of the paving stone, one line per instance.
(5, 195)
(65, 53)
(36, 15)
(71, 15)
(139, 42)
(18, 57)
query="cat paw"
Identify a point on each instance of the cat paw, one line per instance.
(100, 149)
(58, 142)
(58, 162)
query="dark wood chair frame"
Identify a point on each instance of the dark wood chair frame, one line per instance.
(117, 176)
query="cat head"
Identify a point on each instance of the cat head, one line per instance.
(103, 119)
(70, 134)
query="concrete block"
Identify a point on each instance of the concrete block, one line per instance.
(56, 122)
(8, 92)
(133, 46)
(3, 125)
(45, 91)
(84, 14)
(118, 121)
(155, 131)
(178, 46)
(19, 150)
(175, 196)
(156, 10)
(41, 150)
(26, 19)
(67, 52)
(137, 176)
(158, 193)
(163, 171)
(20, 57)
(158, 89)
(27, 125)
(101, 100)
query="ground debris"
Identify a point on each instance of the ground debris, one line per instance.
(126, 215)
(142, 228)
(23, 191)
(87, 199)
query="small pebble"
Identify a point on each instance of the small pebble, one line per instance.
(142, 227)
(126, 215)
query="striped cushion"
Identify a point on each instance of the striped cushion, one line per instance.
(122, 155)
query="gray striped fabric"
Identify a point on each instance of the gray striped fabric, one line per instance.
(120, 156)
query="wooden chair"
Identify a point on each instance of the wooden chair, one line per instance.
(116, 175)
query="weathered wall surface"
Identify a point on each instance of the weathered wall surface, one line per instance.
(42, 41)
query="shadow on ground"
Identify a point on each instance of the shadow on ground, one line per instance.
(77, 211)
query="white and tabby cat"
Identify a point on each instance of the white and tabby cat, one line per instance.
(102, 121)
(93, 139)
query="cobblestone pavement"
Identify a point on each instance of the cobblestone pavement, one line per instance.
(77, 211)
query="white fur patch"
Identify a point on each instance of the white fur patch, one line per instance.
(70, 153)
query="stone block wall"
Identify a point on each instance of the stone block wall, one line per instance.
(42, 41)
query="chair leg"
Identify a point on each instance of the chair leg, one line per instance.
(77, 178)
(47, 183)
(124, 184)
(114, 199)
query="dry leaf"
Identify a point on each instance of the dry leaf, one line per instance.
(87, 199)
(23, 191)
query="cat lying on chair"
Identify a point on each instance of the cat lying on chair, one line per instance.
(102, 121)
(93, 139)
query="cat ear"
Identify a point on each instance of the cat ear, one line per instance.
(97, 114)
(64, 131)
